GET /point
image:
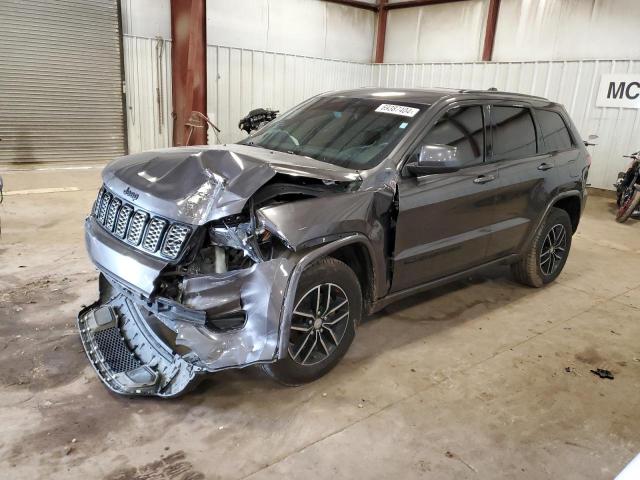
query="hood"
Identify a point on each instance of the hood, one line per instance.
(195, 185)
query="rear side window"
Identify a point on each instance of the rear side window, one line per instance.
(554, 133)
(460, 127)
(514, 134)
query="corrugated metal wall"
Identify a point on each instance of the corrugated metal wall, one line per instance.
(60, 81)
(147, 66)
(572, 83)
(240, 80)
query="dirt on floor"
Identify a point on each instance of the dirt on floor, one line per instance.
(483, 378)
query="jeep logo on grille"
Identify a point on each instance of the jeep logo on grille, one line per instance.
(131, 194)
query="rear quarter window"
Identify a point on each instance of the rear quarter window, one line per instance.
(554, 132)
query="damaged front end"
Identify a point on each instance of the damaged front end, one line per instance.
(198, 280)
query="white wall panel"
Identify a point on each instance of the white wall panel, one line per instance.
(146, 18)
(299, 27)
(567, 29)
(446, 32)
(148, 93)
(240, 80)
(572, 83)
(350, 33)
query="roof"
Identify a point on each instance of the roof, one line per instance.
(425, 96)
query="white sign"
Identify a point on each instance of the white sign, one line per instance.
(398, 110)
(619, 90)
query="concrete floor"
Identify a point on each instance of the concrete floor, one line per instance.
(467, 381)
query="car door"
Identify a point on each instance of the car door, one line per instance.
(526, 176)
(444, 220)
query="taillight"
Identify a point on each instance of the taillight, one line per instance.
(588, 160)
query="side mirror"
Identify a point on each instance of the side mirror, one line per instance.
(436, 159)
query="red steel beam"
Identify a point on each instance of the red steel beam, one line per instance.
(382, 31)
(490, 33)
(355, 3)
(417, 3)
(189, 68)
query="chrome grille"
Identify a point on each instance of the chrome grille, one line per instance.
(176, 236)
(123, 220)
(96, 205)
(104, 205)
(137, 227)
(155, 235)
(112, 212)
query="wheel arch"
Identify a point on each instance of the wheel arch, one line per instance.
(350, 247)
(573, 206)
(357, 257)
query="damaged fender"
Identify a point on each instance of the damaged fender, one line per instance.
(308, 223)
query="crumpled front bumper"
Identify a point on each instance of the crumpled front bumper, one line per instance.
(143, 345)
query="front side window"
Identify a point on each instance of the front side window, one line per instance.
(462, 128)
(355, 133)
(555, 135)
(514, 134)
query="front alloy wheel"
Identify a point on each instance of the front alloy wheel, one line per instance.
(328, 306)
(319, 322)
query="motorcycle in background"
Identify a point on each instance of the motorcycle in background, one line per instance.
(628, 190)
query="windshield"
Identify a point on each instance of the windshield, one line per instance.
(353, 133)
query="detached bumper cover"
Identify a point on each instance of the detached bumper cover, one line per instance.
(127, 356)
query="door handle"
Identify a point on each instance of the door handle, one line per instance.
(484, 179)
(545, 166)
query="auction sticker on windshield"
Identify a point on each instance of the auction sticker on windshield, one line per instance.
(397, 110)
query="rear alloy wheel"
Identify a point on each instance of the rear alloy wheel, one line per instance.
(548, 251)
(554, 249)
(328, 305)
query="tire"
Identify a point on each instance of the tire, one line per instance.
(331, 330)
(540, 265)
(625, 211)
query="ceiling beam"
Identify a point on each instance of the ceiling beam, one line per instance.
(490, 32)
(417, 3)
(356, 3)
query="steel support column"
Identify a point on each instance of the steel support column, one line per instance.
(490, 32)
(381, 31)
(189, 67)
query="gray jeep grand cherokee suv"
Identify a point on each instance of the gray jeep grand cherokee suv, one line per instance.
(271, 251)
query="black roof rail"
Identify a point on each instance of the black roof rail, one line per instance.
(495, 90)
